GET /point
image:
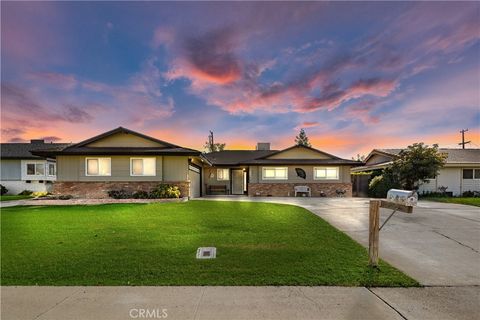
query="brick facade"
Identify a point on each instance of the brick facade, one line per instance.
(99, 190)
(287, 190)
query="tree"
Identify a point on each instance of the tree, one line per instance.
(302, 139)
(417, 164)
(379, 185)
(211, 146)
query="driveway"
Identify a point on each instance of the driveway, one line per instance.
(438, 245)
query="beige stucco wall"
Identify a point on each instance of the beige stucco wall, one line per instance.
(175, 168)
(299, 153)
(168, 168)
(124, 140)
(256, 174)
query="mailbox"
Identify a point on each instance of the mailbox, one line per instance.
(405, 197)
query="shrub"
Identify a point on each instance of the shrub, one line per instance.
(39, 194)
(120, 194)
(141, 195)
(468, 194)
(26, 193)
(165, 191)
(3, 190)
(432, 194)
(379, 186)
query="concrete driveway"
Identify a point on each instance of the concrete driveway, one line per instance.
(438, 245)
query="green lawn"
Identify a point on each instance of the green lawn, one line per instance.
(467, 201)
(155, 244)
(11, 197)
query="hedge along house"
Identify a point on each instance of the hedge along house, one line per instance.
(460, 174)
(124, 159)
(21, 170)
(265, 172)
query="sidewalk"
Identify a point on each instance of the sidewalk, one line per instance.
(227, 303)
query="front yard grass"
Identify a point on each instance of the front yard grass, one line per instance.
(13, 197)
(462, 200)
(155, 244)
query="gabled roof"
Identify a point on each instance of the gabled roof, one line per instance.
(122, 130)
(235, 157)
(83, 148)
(305, 147)
(259, 157)
(454, 156)
(24, 150)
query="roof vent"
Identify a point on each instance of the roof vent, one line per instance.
(263, 145)
(37, 141)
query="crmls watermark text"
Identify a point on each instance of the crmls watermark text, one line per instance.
(145, 313)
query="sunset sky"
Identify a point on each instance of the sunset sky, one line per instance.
(356, 76)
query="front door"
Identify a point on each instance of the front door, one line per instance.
(237, 181)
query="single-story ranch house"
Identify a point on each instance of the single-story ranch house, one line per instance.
(461, 172)
(21, 170)
(125, 159)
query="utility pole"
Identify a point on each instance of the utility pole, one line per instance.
(463, 143)
(210, 139)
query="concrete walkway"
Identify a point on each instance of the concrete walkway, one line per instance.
(225, 303)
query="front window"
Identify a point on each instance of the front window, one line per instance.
(270, 173)
(223, 174)
(142, 166)
(51, 169)
(35, 169)
(98, 166)
(326, 173)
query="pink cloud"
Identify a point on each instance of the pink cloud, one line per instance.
(64, 81)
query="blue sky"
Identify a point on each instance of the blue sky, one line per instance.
(355, 75)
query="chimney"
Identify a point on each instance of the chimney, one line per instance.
(263, 145)
(37, 141)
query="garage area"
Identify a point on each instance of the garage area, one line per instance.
(194, 174)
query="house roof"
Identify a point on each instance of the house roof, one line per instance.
(454, 156)
(259, 157)
(235, 157)
(24, 150)
(123, 130)
(305, 147)
(82, 148)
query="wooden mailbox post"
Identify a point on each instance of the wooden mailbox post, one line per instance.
(374, 225)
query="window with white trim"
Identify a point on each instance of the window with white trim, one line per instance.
(35, 169)
(271, 173)
(143, 166)
(51, 169)
(98, 166)
(223, 174)
(326, 173)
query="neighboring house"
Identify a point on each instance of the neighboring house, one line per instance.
(265, 172)
(21, 170)
(124, 159)
(461, 172)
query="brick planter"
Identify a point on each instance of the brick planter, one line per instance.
(99, 190)
(287, 189)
